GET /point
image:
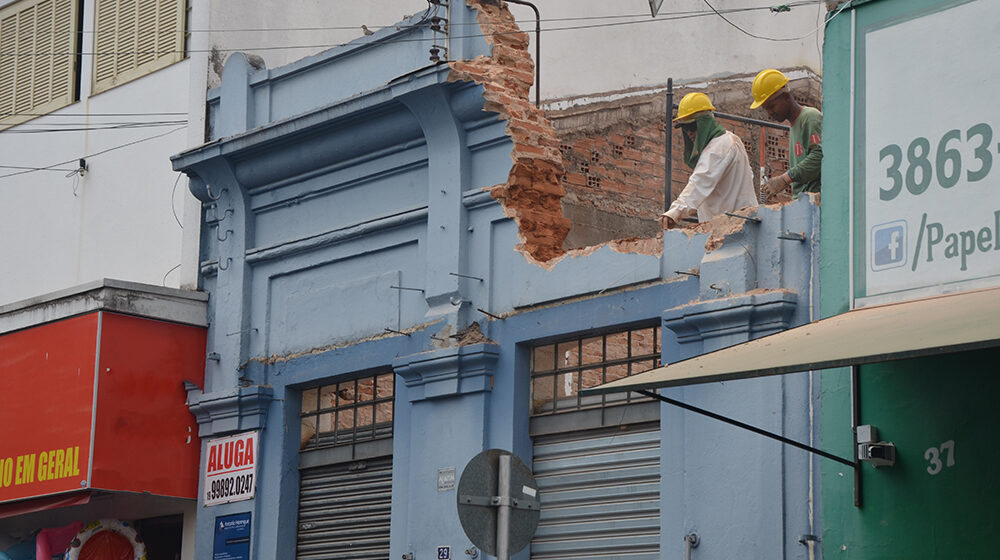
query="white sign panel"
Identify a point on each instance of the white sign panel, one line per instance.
(231, 470)
(931, 189)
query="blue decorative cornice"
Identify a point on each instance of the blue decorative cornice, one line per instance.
(746, 316)
(221, 414)
(449, 372)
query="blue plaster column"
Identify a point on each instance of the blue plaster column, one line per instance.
(229, 321)
(448, 169)
(236, 113)
(448, 393)
(232, 401)
(711, 471)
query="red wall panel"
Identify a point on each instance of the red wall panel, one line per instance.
(146, 439)
(46, 403)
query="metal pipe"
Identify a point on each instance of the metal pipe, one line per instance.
(753, 429)
(503, 512)
(748, 120)
(855, 422)
(762, 180)
(668, 164)
(538, 49)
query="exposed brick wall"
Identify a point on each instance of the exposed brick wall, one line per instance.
(590, 175)
(613, 154)
(533, 192)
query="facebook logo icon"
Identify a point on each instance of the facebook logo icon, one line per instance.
(888, 245)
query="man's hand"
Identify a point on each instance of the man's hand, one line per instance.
(666, 222)
(776, 185)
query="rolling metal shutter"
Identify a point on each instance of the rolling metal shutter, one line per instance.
(344, 511)
(600, 494)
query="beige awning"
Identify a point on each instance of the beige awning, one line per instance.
(923, 327)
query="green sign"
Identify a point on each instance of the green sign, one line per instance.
(927, 190)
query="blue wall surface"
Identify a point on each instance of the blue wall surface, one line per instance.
(338, 180)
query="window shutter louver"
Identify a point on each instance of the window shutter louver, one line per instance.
(136, 37)
(37, 51)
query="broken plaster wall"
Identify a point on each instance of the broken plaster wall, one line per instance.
(584, 175)
(533, 192)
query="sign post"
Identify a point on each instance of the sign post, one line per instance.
(498, 503)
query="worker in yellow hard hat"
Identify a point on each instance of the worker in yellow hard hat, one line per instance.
(721, 179)
(805, 152)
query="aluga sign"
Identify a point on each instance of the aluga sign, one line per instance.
(927, 193)
(231, 469)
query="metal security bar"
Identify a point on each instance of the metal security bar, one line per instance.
(559, 370)
(348, 412)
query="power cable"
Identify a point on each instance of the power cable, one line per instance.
(4, 114)
(35, 168)
(673, 17)
(461, 24)
(115, 126)
(776, 39)
(74, 160)
(172, 208)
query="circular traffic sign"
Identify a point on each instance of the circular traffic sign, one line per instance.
(479, 501)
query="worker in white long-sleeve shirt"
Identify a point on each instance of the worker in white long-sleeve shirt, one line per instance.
(721, 179)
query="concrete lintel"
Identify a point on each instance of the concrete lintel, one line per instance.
(231, 412)
(129, 298)
(448, 372)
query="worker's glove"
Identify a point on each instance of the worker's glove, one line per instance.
(776, 185)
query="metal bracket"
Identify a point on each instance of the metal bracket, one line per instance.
(747, 218)
(494, 501)
(792, 236)
(806, 539)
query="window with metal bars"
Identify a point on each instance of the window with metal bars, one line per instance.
(559, 370)
(348, 412)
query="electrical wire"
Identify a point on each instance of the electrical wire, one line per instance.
(95, 154)
(164, 283)
(121, 126)
(98, 122)
(172, 207)
(776, 39)
(399, 27)
(36, 168)
(4, 114)
(671, 17)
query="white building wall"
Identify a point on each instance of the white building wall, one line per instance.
(636, 52)
(587, 45)
(115, 221)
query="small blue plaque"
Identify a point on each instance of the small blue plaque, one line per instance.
(232, 537)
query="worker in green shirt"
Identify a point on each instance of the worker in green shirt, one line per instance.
(805, 152)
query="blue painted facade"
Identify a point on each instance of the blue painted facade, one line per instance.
(343, 195)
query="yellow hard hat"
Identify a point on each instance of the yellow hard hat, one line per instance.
(693, 103)
(766, 84)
